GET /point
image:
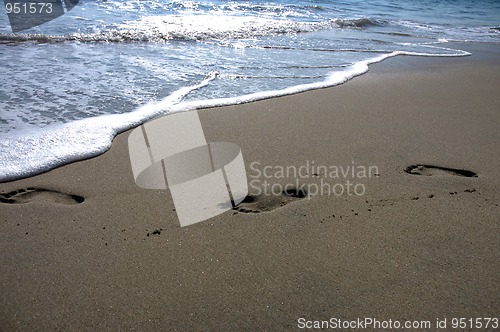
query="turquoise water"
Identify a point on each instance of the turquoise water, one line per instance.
(68, 86)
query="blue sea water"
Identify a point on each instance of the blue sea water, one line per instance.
(70, 85)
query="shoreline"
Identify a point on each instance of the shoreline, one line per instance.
(84, 248)
(152, 110)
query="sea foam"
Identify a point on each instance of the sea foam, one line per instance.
(33, 152)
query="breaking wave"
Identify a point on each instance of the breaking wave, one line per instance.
(193, 28)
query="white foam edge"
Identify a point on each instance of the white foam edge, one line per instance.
(25, 154)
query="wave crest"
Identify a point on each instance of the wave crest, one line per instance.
(193, 28)
(358, 23)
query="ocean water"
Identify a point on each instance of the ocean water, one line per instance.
(70, 85)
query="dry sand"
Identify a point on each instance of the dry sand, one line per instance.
(413, 247)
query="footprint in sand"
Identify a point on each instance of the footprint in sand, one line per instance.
(266, 203)
(430, 170)
(27, 195)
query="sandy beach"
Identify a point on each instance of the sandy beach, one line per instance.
(84, 249)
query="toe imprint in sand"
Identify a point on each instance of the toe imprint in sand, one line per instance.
(430, 170)
(27, 195)
(266, 203)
